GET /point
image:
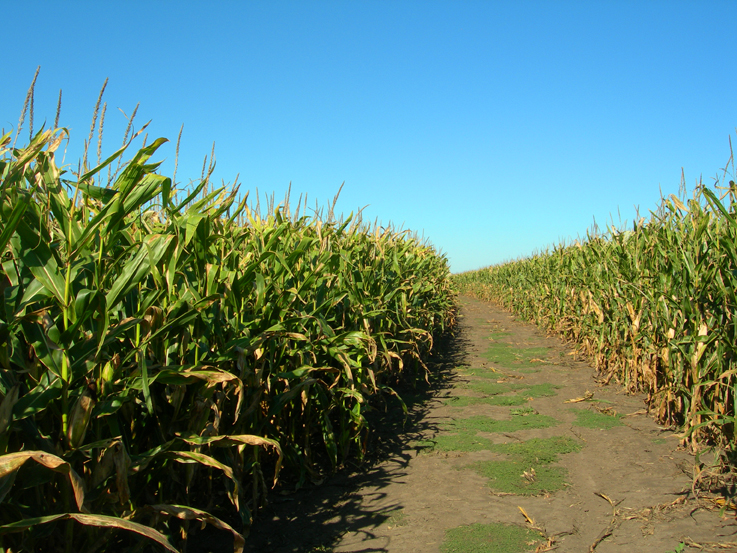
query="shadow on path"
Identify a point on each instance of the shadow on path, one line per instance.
(314, 518)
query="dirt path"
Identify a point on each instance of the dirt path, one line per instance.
(498, 447)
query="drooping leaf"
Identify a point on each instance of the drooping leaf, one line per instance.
(11, 462)
(101, 521)
(189, 513)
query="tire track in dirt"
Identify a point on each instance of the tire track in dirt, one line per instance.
(624, 486)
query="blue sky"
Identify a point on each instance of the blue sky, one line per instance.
(494, 129)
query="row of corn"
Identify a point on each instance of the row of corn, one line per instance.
(162, 357)
(655, 306)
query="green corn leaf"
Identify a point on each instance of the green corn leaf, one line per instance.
(39, 398)
(105, 195)
(138, 267)
(40, 260)
(11, 221)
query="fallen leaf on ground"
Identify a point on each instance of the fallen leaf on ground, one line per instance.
(586, 397)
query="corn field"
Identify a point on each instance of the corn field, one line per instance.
(163, 357)
(654, 306)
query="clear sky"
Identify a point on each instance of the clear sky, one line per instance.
(494, 129)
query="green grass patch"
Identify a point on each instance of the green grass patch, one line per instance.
(542, 390)
(492, 392)
(489, 538)
(591, 419)
(463, 434)
(512, 357)
(540, 450)
(494, 388)
(457, 441)
(528, 471)
(480, 372)
(464, 401)
(481, 423)
(522, 411)
(509, 477)
(395, 519)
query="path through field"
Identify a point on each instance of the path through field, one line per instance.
(498, 454)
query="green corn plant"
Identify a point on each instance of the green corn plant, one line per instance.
(163, 355)
(652, 305)
(79, 307)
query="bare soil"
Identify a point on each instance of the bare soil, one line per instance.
(626, 489)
